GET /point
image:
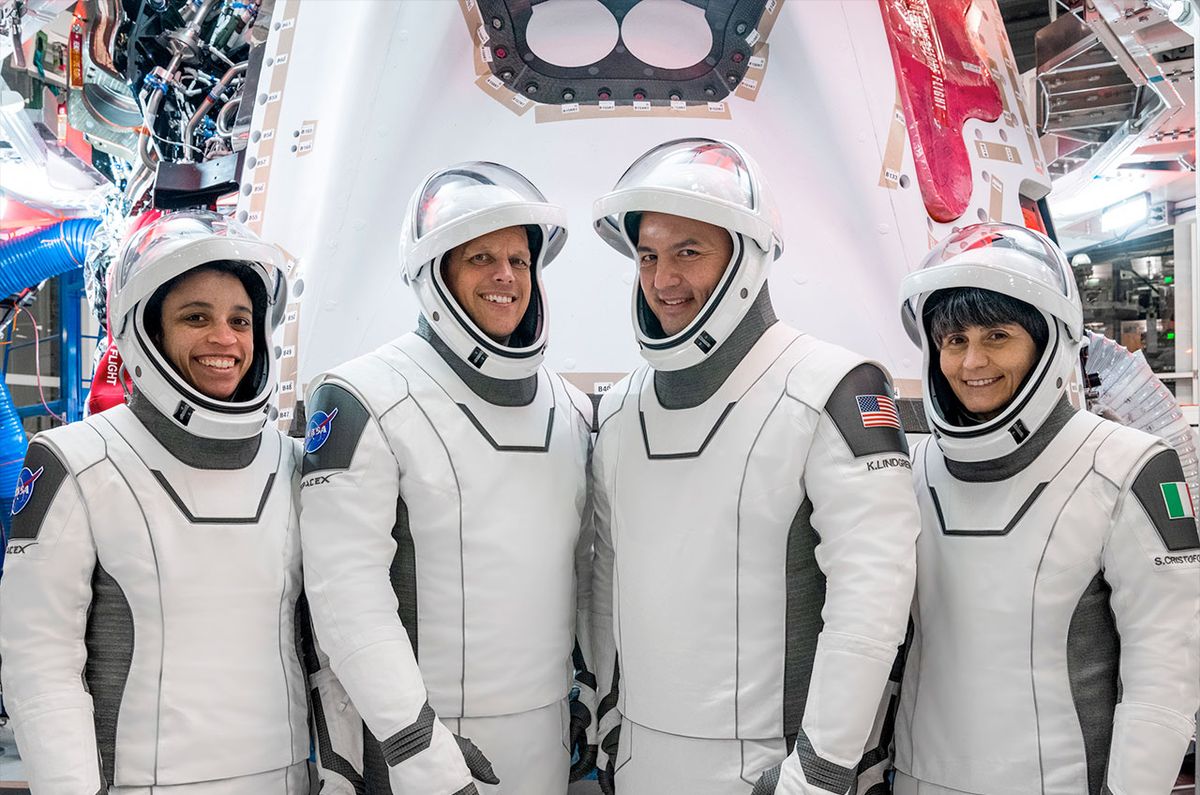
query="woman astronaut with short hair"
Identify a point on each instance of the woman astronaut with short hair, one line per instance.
(1056, 613)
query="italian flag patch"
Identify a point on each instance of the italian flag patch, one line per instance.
(1178, 498)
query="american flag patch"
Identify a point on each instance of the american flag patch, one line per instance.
(878, 411)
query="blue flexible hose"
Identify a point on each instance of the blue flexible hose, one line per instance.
(35, 257)
(12, 456)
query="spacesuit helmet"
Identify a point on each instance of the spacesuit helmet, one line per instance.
(706, 180)
(454, 206)
(1018, 263)
(149, 264)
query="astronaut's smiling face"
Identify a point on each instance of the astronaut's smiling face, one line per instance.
(680, 263)
(491, 279)
(208, 331)
(986, 365)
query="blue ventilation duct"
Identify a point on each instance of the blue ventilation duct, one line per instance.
(24, 262)
(31, 259)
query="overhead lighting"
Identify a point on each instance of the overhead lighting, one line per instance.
(1081, 259)
(1123, 215)
(1102, 191)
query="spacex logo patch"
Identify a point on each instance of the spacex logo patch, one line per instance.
(319, 428)
(25, 488)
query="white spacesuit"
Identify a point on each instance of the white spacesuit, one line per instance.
(148, 608)
(754, 525)
(444, 497)
(1056, 619)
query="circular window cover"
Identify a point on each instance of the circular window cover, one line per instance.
(667, 34)
(572, 33)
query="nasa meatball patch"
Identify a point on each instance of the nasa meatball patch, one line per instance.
(39, 482)
(334, 428)
(320, 425)
(25, 483)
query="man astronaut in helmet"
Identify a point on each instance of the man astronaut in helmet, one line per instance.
(154, 560)
(754, 519)
(444, 496)
(1057, 611)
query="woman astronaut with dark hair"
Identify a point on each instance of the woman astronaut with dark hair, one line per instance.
(1057, 604)
(148, 608)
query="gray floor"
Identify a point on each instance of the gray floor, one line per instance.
(11, 769)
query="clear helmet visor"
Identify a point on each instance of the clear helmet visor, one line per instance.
(463, 202)
(176, 243)
(1043, 260)
(706, 168)
(1000, 257)
(700, 178)
(151, 243)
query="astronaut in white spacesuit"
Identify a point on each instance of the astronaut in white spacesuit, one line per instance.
(1057, 615)
(148, 607)
(444, 498)
(754, 521)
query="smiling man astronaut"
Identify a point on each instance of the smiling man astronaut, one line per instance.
(755, 521)
(444, 506)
